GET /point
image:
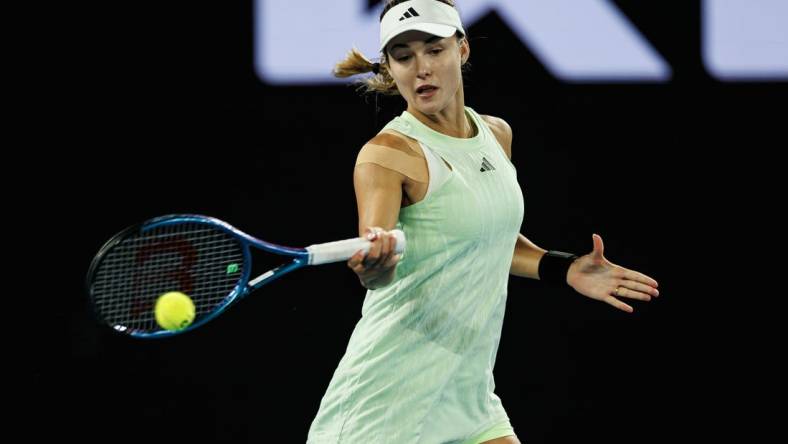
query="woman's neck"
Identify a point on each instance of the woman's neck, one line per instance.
(451, 121)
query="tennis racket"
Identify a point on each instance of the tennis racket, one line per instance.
(207, 259)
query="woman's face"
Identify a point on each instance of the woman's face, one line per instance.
(417, 59)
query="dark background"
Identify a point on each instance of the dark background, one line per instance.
(163, 114)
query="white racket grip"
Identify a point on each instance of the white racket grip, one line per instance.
(344, 249)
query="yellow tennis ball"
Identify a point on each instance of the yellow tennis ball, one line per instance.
(174, 311)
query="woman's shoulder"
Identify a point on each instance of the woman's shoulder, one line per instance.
(501, 130)
(389, 138)
(396, 153)
(497, 122)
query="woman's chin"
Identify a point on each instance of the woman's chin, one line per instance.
(429, 107)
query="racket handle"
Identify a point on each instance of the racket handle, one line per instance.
(344, 249)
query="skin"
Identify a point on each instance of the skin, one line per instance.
(413, 59)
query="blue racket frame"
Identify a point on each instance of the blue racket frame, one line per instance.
(241, 289)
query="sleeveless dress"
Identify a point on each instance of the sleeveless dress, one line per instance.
(419, 364)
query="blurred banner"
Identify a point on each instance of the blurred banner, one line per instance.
(576, 40)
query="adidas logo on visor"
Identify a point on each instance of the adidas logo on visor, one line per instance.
(408, 14)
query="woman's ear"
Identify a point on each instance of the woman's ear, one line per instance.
(465, 51)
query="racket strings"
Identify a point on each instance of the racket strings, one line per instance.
(203, 262)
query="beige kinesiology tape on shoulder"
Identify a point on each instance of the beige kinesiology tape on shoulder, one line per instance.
(401, 158)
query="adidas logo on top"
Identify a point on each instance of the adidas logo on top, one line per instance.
(408, 14)
(486, 165)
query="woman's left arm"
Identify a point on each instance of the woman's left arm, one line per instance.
(590, 275)
(526, 257)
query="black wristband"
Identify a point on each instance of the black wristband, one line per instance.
(554, 265)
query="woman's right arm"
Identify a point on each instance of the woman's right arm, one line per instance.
(378, 197)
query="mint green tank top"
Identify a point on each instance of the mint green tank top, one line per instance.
(419, 364)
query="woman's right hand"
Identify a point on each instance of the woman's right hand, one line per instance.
(376, 268)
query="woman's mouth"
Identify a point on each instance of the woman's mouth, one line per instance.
(426, 91)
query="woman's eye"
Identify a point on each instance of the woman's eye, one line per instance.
(435, 51)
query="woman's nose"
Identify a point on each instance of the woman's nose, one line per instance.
(423, 67)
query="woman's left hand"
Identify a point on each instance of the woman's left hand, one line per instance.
(594, 276)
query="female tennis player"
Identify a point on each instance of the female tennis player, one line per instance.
(419, 364)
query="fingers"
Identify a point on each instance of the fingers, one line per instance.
(355, 261)
(618, 304)
(631, 294)
(395, 258)
(632, 290)
(639, 277)
(381, 249)
(380, 255)
(599, 246)
(635, 290)
(632, 285)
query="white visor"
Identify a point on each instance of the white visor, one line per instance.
(430, 16)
